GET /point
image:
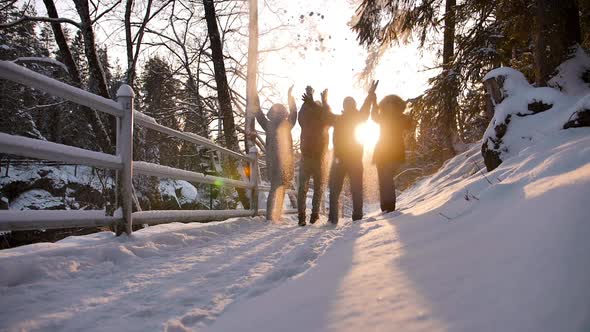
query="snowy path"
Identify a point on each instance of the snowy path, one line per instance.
(166, 276)
(507, 251)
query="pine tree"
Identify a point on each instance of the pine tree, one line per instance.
(159, 89)
(18, 114)
(77, 49)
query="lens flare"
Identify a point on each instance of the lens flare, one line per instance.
(367, 134)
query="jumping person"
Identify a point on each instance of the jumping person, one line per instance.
(279, 152)
(348, 154)
(390, 151)
(314, 145)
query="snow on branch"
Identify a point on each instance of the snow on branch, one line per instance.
(43, 60)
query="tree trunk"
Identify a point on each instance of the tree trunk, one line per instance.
(494, 94)
(450, 89)
(557, 30)
(94, 66)
(130, 74)
(62, 43)
(102, 136)
(251, 87)
(223, 94)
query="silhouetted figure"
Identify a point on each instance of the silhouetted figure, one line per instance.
(390, 151)
(279, 152)
(348, 154)
(313, 119)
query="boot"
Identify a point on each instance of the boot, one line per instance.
(314, 217)
(301, 217)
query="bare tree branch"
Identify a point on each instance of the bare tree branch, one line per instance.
(27, 18)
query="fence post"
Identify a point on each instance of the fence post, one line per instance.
(125, 97)
(254, 179)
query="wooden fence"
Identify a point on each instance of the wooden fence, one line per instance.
(122, 162)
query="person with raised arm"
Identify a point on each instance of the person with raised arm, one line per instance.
(348, 154)
(390, 150)
(277, 124)
(314, 145)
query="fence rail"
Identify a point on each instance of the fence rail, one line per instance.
(122, 162)
(150, 169)
(30, 147)
(52, 219)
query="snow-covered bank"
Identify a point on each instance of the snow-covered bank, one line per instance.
(464, 255)
(504, 251)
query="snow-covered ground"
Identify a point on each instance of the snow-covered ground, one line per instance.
(504, 251)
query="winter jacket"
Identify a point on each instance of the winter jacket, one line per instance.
(279, 143)
(390, 147)
(346, 147)
(313, 120)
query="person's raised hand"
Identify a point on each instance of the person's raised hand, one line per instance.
(374, 86)
(308, 95)
(372, 94)
(324, 96)
(290, 94)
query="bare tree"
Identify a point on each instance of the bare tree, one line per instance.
(133, 41)
(223, 91)
(95, 68)
(62, 42)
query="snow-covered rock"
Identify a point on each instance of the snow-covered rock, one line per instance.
(581, 115)
(47, 187)
(528, 114)
(37, 199)
(180, 194)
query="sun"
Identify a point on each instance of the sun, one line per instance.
(367, 134)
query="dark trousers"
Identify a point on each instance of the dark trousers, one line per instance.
(385, 172)
(310, 168)
(354, 170)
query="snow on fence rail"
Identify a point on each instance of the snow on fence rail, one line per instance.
(122, 162)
